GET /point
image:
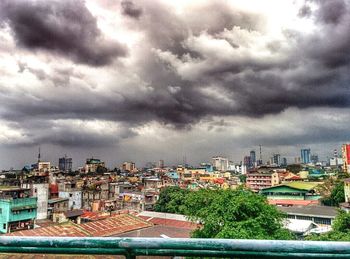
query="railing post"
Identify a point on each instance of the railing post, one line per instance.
(130, 255)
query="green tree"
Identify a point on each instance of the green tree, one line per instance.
(239, 214)
(332, 192)
(294, 168)
(171, 200)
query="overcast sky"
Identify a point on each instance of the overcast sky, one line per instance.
(149, 80)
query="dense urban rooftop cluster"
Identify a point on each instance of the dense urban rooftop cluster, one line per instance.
(42, 199)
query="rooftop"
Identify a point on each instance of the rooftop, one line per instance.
(107, 227)
(55, 200)
(315, 210)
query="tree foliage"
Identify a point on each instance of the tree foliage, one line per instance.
(171, 200)
(294, 168)
(239, 214)
(332, 192)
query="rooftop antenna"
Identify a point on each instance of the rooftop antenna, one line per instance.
(39, 155)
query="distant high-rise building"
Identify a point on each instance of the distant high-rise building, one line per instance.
(297, 160)
(277, 159)
(92, 164)
(247, 161)
(220, 163)
(161, 163)
(65, 164)
(284, 161)
(128, 166)
(252, 158)
(305, 155)
(346, 157)
(314, 158)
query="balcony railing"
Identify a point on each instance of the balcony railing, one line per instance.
(132, 247)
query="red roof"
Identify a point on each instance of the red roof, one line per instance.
(53, 188)
(170, 222)
(106, 227)
(294, 177)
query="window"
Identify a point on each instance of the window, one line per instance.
(0, 210)
(4, 226)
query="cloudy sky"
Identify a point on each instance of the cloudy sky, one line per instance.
(149, 80)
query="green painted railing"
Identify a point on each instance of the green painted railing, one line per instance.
(132, 247)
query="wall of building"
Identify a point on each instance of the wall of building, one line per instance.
(41, 191)
(74, 197)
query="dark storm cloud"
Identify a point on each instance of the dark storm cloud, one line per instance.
(66, 27)
(130, 9)
(331, 11)
(191, 66)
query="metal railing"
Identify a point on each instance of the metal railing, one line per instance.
(132, 247)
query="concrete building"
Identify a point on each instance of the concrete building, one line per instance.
(56, 208)
(321, 215)
(293, 190)
(128, 167)
(276, 159)
(92, 164)
(65, 164)
(346, 157)
(161, 163)
(247, 161)
(252, 155)
(18, 209)
(347, 190)
(305, 155)
(259, 180)
(220, 163)
(41, 192)
(74, 198)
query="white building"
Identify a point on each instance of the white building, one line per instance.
(74, 198)
(220, 163)
(41, 191)
(335, 161)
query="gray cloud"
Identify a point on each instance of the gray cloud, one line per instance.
(189, 67)
(66, 27)
(130, 9)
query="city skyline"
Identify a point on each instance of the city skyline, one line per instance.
(149, 80)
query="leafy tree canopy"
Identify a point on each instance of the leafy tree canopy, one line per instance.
(171, 200)
(239, 214)
(332, 192)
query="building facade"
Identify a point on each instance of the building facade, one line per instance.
(260, 180)
(220, 163)
(18, 209)
(346, 157)
(305, 155)
(65, 164)
(92, 164)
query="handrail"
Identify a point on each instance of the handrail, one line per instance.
(132, 247)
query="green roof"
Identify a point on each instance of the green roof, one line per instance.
(303, 185)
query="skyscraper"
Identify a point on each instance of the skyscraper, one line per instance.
(314, 158)
(276, 159)
(220, 163)
(284, 161)
(65, 164)
(247, 161)
(305, 155)
(252, 158)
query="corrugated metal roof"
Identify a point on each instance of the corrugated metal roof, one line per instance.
(107, 227)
